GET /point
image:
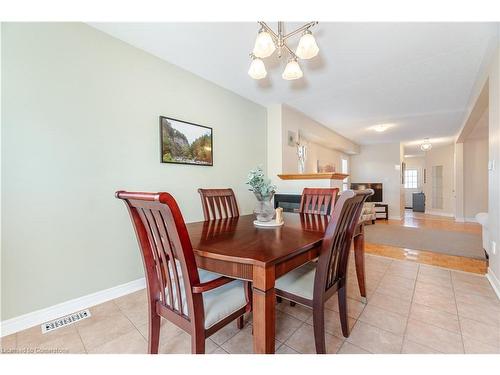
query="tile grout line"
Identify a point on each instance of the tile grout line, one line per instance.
(80, 336)
(364, 307)
(295, 330)
(409, 311)
(237, 332)
(458, 316)
(133, 325)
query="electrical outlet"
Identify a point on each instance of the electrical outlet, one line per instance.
(493, 247)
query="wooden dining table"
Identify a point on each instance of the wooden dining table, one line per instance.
(235, 247)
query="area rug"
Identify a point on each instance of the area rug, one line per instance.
(440, 241)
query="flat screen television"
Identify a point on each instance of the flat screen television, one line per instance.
(377, 189)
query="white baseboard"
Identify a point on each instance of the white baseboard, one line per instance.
(394, 217)
(19, 323)
(470, 220)
(439, 213)
(495, 283)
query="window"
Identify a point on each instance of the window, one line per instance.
(411, 178)
(345, 181)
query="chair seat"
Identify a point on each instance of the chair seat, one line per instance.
(299, 281)
(218, 303)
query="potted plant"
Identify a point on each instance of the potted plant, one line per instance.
(264, 191)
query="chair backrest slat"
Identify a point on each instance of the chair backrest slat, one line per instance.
(218, 203)
(168, 256)
(318, 200)
(334, 253)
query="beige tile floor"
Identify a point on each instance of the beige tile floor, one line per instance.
(411, 308)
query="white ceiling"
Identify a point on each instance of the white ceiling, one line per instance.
(416, 76)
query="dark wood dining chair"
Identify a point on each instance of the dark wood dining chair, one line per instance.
(218, 203)
(318, 200)
(197, 301)
(314, 283)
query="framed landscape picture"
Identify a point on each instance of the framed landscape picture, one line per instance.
(183, 142)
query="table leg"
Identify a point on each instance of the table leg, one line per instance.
(264, 298)
(359, 260)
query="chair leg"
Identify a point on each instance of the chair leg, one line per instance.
(343, 310)
(197, 343)
(154, 333)
(248, 293)
(240, 322)
(292, 303)
(319, 329)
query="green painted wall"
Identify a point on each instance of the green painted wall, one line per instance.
(80, 121)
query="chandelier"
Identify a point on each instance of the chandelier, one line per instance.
(426, 145)
(268, 41)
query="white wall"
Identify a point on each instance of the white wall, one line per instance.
(475, 177)
(493, 74)
(380, 163)
(489, 76)
(443, 156)
(80, 121)
(458, 184)
(322, 143)
(317, 152)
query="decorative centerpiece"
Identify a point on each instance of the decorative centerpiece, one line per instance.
(302, 155)
(264, 192)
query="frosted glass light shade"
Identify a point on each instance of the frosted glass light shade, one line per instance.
(292, 71)
(307, 47)
(426, 145)
(257, 69)
(264, 45)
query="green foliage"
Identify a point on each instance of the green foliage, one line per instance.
(177, 148)
(167, 157)
(259, 184)
(201, 149)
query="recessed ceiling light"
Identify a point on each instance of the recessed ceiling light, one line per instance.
(381, 127)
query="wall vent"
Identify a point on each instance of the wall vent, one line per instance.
(65, 321)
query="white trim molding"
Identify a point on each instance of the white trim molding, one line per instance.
(470, 220)
(439, 213)
(19, 323)
(465, 219)
(394, 217)
(495, 283)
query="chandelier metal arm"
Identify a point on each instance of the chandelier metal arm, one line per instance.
(300, 29)
(268, 41)
(290, 34)
(269, 30)
(280, 38)
(294, 56)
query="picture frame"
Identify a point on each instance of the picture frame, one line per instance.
(183, 142)
(291, 140)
